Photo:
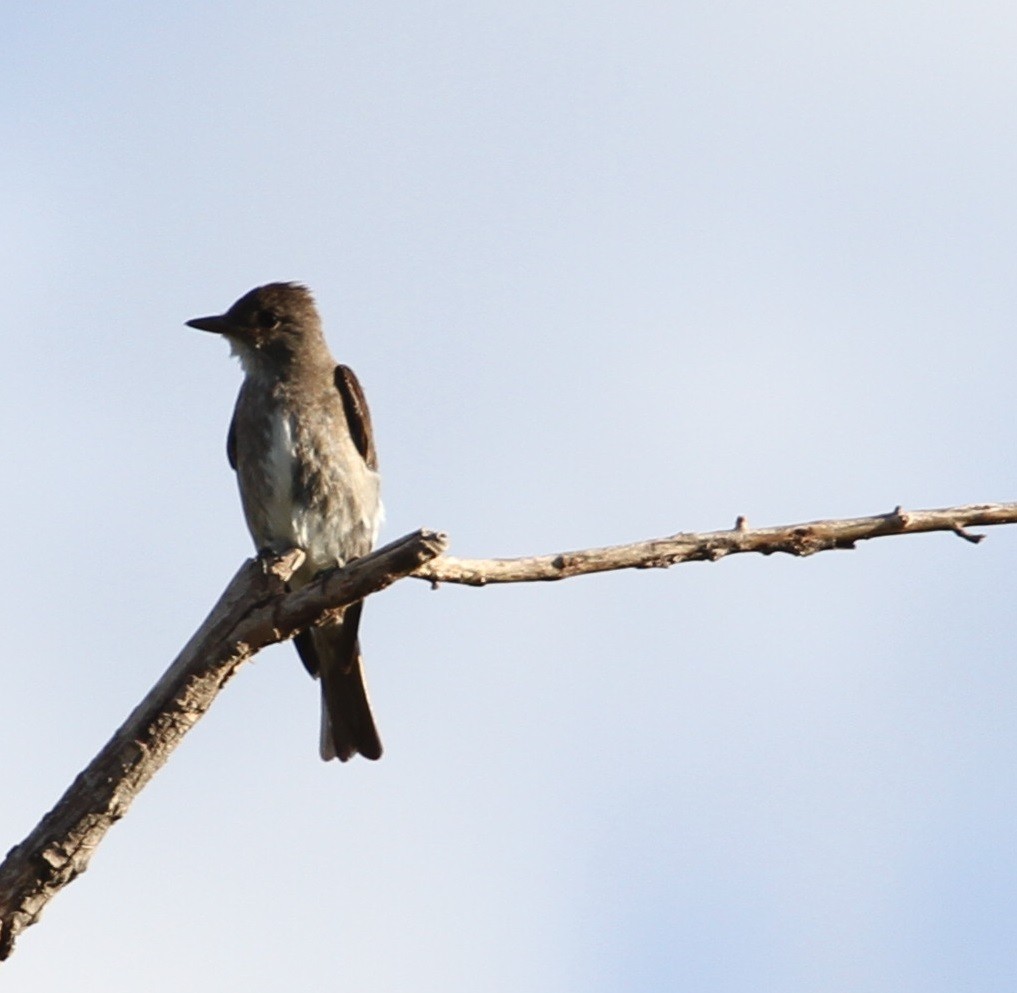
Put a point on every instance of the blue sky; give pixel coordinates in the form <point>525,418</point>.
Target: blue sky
<point>607,271</point>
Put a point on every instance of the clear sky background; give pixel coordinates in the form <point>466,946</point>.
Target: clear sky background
<point>607,271</point>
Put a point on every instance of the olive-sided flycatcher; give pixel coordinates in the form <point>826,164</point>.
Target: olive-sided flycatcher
<point>303,450</point>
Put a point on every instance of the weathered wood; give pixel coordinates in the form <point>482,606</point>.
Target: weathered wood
<point>659,553</point>
<point>254,611</point>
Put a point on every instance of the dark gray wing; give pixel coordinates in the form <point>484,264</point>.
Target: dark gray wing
<point>358,417</point>
<point>231,442</point>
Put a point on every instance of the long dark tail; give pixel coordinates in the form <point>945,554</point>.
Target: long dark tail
<point>332,652</point>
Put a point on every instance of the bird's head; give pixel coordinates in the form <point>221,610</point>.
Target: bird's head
<point>270,324</point>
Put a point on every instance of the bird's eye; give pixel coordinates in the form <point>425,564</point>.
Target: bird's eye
<point>268,319</point>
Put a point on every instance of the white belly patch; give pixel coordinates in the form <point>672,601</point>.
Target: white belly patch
<point>327,529</point>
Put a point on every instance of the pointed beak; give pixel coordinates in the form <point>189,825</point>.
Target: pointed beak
<point>217,324</point>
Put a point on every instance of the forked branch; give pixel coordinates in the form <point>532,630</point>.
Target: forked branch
<point>256,610</point>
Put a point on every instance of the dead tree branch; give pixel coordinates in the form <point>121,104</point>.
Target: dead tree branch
<point>660,553</point>
<point>254,611</point>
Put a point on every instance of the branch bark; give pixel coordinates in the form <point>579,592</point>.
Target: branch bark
<point>254,611</point>
<point>660,553</point>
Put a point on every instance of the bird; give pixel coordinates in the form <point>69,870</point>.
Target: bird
<point>302,446</point>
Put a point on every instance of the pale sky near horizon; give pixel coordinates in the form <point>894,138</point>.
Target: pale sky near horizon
<point>606,271</point>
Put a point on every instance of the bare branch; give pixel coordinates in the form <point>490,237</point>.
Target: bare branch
<point>659,553</point>
<point>254,611</point>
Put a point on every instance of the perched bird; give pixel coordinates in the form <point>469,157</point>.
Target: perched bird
<point>303,450</point>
